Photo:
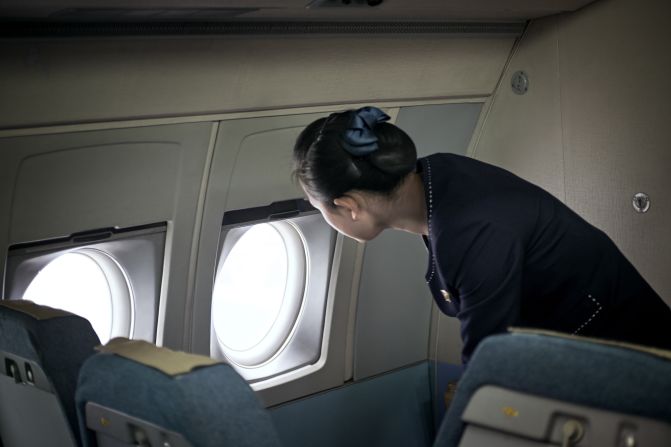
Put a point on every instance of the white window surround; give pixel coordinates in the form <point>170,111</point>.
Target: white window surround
<point>91,284</point>
<point>129,260</point>
<point>259,292</point>
<point>300,347</point>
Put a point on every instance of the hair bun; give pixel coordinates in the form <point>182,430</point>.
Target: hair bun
<point>359,138</point>
<point>397,154</point>
<point>352,150</point>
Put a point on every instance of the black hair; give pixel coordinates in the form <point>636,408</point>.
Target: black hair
<point>327,171</point>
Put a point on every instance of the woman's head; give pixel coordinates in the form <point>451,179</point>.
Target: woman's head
<point>352,152</point>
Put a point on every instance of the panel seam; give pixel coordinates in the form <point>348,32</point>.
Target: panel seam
<point>561,112</point>
<point>472,148</point>
<point>195,241</point>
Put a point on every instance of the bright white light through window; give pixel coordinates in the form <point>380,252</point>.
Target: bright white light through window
<point>250,288</point>
<point>76,283</point>
<point>258,292</point>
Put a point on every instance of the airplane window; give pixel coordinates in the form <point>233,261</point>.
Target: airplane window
<point>88,283</point>
<point>268,317</point>
<point>258,293</point>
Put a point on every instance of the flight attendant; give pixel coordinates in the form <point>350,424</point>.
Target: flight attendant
<point>502,251</point>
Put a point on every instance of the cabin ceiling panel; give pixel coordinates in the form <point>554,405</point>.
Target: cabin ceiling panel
<point>94,80</point>
<point>296,10</point>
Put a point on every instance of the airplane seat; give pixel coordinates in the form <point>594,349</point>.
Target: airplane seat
<point>135,393</point>
<point>537,388</point>
<point>42,351</point>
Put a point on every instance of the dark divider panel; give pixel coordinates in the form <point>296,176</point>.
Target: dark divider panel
<point>392,409</point>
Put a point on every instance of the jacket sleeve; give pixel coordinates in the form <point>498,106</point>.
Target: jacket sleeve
<point>485,265</point>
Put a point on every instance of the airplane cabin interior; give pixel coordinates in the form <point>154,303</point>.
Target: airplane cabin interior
<point>166,281</point>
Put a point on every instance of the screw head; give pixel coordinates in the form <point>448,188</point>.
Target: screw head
<point>520,82</point>
<point>641,202</point>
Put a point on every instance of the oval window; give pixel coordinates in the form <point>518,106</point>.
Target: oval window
<point>258,293</point>
<point>88,283</point>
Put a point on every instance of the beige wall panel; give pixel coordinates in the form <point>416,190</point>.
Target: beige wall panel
<point>58,193</point>
<point>594,127</point>
<point>88,80</point>
<point>615,67</point>
<point>445,344</point>
<point>263,168</point>
<point>522,133</point>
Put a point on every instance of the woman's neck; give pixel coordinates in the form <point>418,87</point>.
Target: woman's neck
<point>407,210</point>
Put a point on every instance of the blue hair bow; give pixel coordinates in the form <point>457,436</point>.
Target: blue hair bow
<point>359,138</point>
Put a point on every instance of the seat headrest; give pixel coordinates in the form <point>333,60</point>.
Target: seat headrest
<point>36,311</point>
<point>601,341</point>
<point>167,361</point>
<point>209,404</point>
<point>602,374</point>
<point>56,340</point>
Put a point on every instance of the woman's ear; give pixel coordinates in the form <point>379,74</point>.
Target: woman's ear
<point>349,205</point>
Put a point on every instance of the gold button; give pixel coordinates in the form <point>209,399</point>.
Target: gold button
<point>510,412</point>
<point>446,295</point>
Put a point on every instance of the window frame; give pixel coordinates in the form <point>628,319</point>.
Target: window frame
<point>121,295</point>
<point>304,350</point>
<point>137,252</point>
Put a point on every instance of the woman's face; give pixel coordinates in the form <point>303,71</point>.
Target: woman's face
<point>356,223</point>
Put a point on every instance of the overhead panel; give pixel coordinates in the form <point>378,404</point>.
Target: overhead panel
<point>60,81</point>
<point>294,10</point>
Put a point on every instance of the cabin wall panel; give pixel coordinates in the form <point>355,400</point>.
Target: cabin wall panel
<point>593,128</point>
<point>56,185</point>
<point>101,79</point>
<point>516,135</point>
<point>251,167</point>
<point>393,324</point>
<point>615,98</point>
<point>390,410</point>
<point>60,192</point>
<point>394,306</point>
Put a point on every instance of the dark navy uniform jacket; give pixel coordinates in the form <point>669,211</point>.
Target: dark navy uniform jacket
<point>504,252</point>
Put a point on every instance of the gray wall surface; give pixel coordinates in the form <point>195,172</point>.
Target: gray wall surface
<point>440,127</point>
<point>390,410</point>
<point>394,308</point>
